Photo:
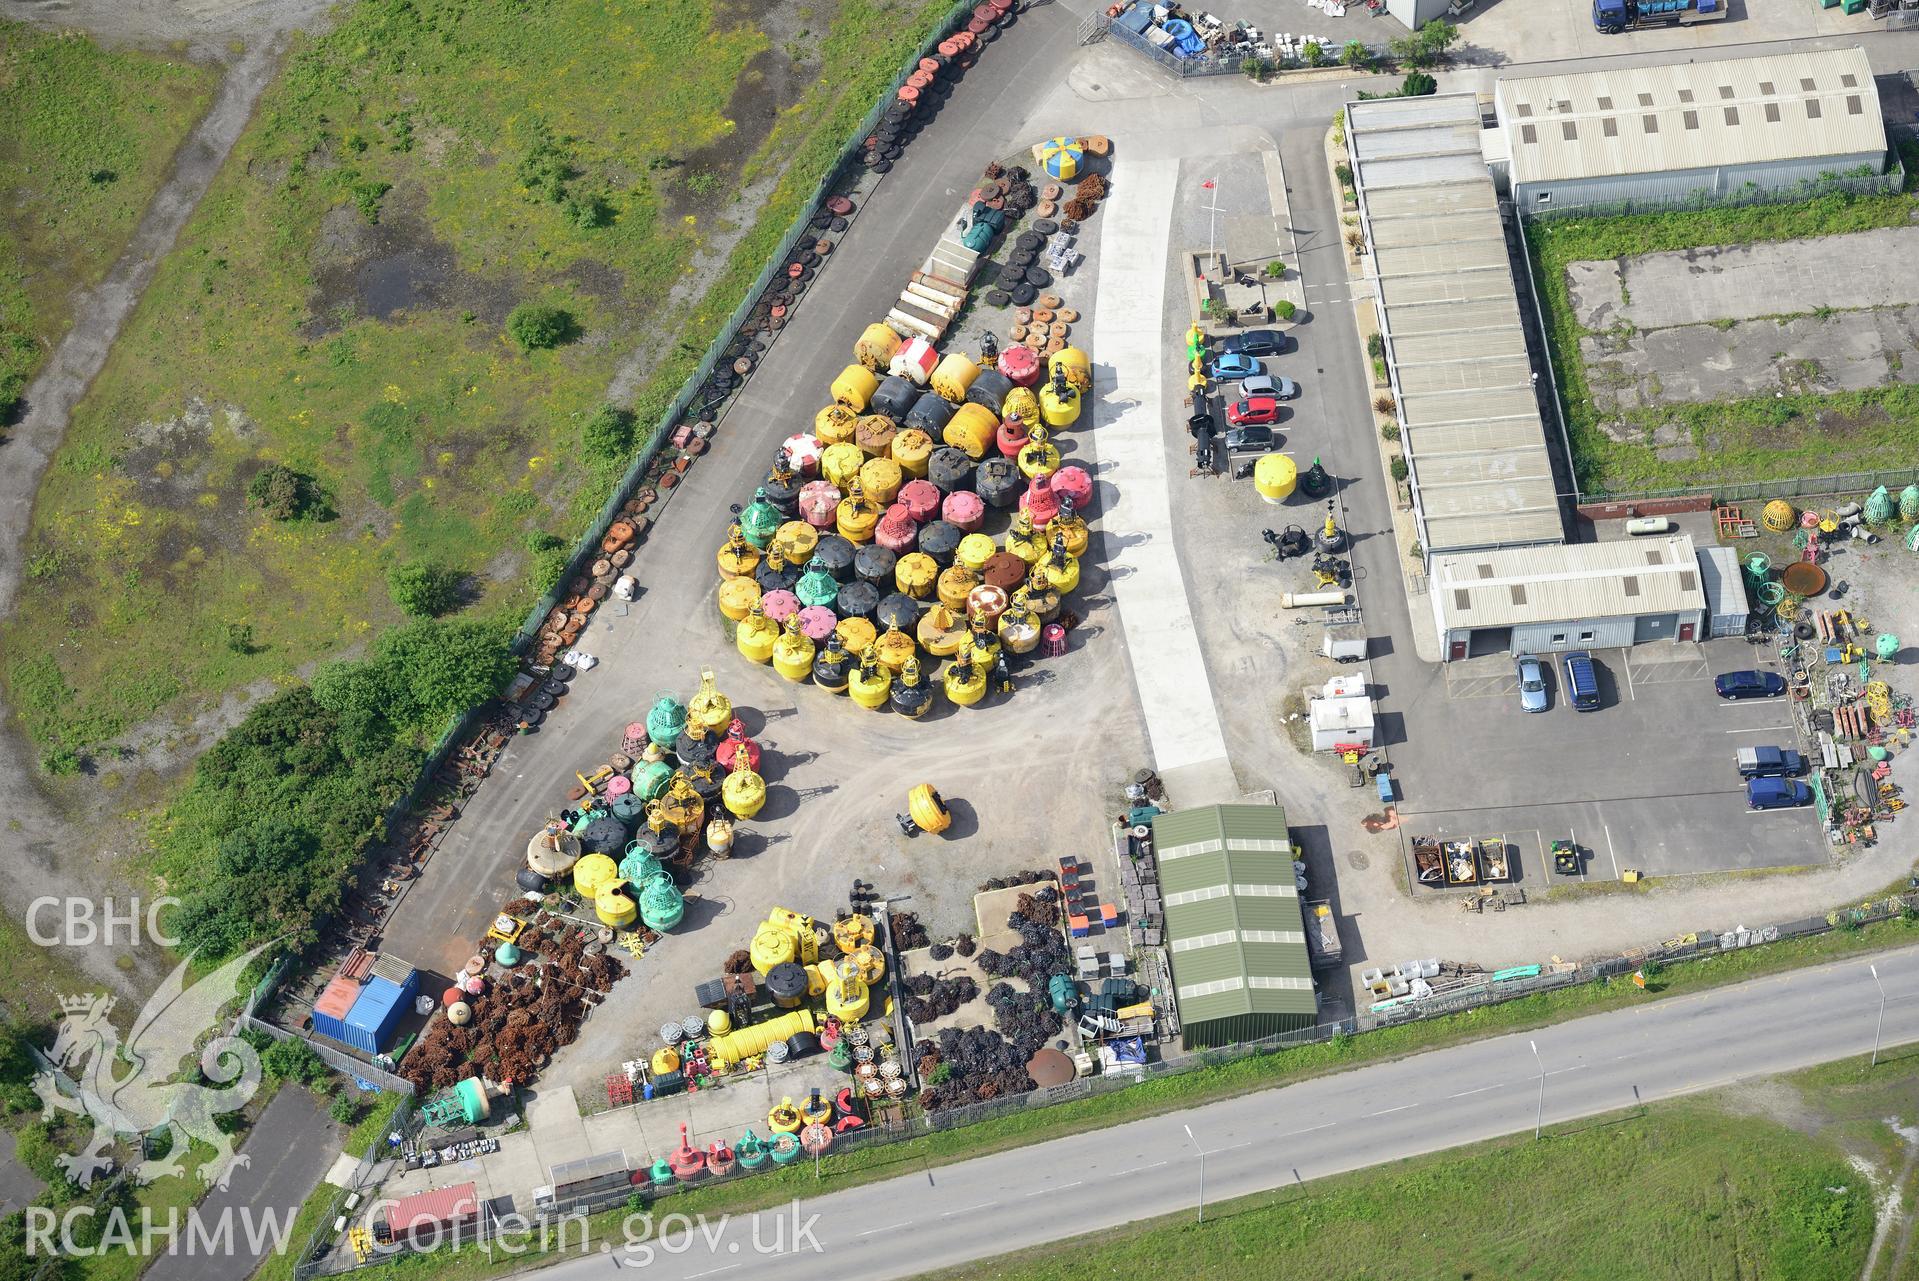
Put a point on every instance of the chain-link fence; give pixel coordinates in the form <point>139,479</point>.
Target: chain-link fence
<point>1874,184</point>
<point>317,1256</point>
<point>1835,485</point>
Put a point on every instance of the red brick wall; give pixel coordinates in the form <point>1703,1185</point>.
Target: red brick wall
<point>1646,507</point>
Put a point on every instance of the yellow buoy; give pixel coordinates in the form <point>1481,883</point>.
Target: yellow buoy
<point>1779,516</point>
<point>772,946</point>
<point>965,681</point>
<point>893,648</point>
<point>870,959</point>
<point>709,709</point>
<point>793,652</point>
<point>1022,541</point>
<point>737,556</point>
<point>1041,594</point>
<point>1076,363</point>
<point>881,479</point>
<point>857,634</point>
<point>796,540</point>
<point>974,551</point>
<point>1062,569</point>
<point>1022,404</point>
<point>682,806</point>
<point>912,449</point>
<point>955,585</point>
<point>942,632</point>
<point>915,573</point>
<point>984,642</point>
<point>1019,625</point>
<point>1039,456</point>
<point>857,516</point>
<point>853,933</point>
<point>854,388</point>
<point>665,1060</point>
<point>1072,531</point>
<point>928,809</point>
<point>870,683</point>
<point>953,375</point>
<point>737,597</point>
<point>613,907</point>
<point>755,635</point>
<point>840,464</point>
<point>834,424</point>
<point>592,874</point>
<point>972,430</point>
<point>1274,476</point>
<point>719,1023</point>
<point>847,996</point>
<point>1058,404</point>
<point>743,793</point>
<point>876,346</point>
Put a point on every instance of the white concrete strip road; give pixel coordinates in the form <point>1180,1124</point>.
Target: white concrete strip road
<point>947,1215</point>
<point>1130,411</point>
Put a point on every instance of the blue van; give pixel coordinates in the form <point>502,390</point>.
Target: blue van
<point>1582,681</point>
<point>1776,793</point>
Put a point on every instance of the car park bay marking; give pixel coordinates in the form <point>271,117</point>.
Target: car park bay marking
<point>1611,855</point>
<point>1760,729</point>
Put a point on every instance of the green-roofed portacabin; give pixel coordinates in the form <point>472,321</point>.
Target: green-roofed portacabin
<point>1233,926</point>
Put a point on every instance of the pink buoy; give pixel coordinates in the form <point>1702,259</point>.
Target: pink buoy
<point>964,509</point>
<point>1012,437</point>
<point>897,531</point>
<point>475,984</point>
<point>817,622</point>
<point>820,503</point>
<point>780,605</point>
<point>1052,641</point>
<point>1072,482</point>
<point>618,785</point>
<point>1809,519</point>
<point>1041,500</point>
<point>1021,365</point>
<point>921,498</point>
<point>803,453</point>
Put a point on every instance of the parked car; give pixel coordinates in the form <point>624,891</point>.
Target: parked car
<point>1532,683</point>
<point>1274,385</point>
<point>1750,684</point>
<point>1776,793</point>
<point>1769,762</point>
<point>1256,342</point>
<point>1582,681</point>
<point>1251,440</point>
<point>1232,365</point>
<point>1253,410</point>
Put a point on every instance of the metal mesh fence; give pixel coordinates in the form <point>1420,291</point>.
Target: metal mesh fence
<point>1835,485</point>
<point>1878,184</point>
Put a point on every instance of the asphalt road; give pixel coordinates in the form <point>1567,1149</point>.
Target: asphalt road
<point>939,1217</point>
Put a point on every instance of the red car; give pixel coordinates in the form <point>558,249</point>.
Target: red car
<point>1252,411</point>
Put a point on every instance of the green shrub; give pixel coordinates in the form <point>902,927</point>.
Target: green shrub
<point>293,1060</point>
<point>343,1108</point>
<point>1314,53</point>
<point>1375,345</point>
<point>1356,55</point>
<point>1285,309</point>
<point>1398,469</point>
<point>1417,84</point>
<point>1253,68</point>
<point>1426,47</point>
<point>424,590</point>
<point>535,326</point>
<point>549,556</point>
<point>1389,431</point>
<point>1275,270</point>
<point>1343,172</point>
<point>281,493</point>
<point>607,437</point>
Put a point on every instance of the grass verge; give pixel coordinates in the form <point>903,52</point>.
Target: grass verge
<point>319,1202</point>
<point>1200,1085</point>
<point>1756,438</point>
<point>89,137</point>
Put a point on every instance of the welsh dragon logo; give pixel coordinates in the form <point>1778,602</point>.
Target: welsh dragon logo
<point>87,1077</point>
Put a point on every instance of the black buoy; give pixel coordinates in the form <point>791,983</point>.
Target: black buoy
<point>782,487</point>
<point>531,881</point>
<point>774,574</point>
<point>832,665</point>
<point>835,554</point>
<point>1331,537</point>
<point>786,984</point>
<point>998,482</point>
<point>857,600</point>
<point>941,539</point>
<point>875,564</point>
<point>949,469</point>
<point>897,609</point>
<point>604,836</point>
<point>1315,482</point>
<point>695,746</point>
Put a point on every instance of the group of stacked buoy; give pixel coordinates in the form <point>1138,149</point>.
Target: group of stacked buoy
<point>930,84</point>
<point>569,616</point>
<point>865,548</point>
<point>681,780</point>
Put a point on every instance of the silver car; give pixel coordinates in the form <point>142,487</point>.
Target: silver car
<point>1532,683</point>
<point>1276,385</point>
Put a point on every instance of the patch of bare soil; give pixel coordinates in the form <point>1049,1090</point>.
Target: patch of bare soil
<point>381,270</point>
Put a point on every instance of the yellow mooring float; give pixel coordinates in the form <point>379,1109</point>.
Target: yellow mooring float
<point>912,449</point>
<point>615,904</point>
<point>840,464</point>
<point>915,573</point>
<point>857,634</point>
<point>928,810</point>
<point>956,584</point>
<point>755,635</point>
<point>1019,626</point>
<point>870,683</point>
<point>1059,403</point>
<point>847,996</point>
<point>893,648</point>
<point>737,598</point>
<point>965,680</point>
<point>1039,456</point>
<point>942,632</point>
<point>1074,364</point>
<point>1062,568</point>
<point>857,516</point>
<point>834,424</point>
<point>984,642</point>
<point>793,652</point>
<point>1022,540</point>
<point>737,556</point>
<point>709,709</point>
<point>743,793</point>
<point>973,552</point>
<point>795,540</point>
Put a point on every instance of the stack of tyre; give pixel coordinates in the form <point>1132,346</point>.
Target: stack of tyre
<point>918,100</point>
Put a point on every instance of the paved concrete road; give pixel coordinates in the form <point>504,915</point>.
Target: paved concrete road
<point>1364,1117</point>
<point>291,1146</point>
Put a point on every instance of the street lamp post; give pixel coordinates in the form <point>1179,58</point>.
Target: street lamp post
<point>1202,1170</point>
<point>1880,1026</point>
<point>1539,1117</point>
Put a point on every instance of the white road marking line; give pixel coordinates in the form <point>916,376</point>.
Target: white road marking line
<point>1756,729</point>
<point>1481,1090</point>
<point>1389,1111</point>
<point>1627,664</point>
<point>1074,1184</point>
<point>1229,1148</point>
<point>1559,1071</point>
<point>892,1228</point>
<point>712,1272</point>
<point>984,1205</point>
<point>1611,855</point>
<point>1135,1170</point>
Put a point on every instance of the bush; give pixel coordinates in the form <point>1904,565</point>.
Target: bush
<point>1356,55</point>
<point>1398,469</point>
<point>606,438</point>
<point>1275,270</point>
<point>1343,172</point>
<point>1384,404</point>
<point>1314,53</point>
<point>1417,84</point>
<point>548,556</point>
<point>535,326</point>
<point>1254,68</point>
<point>1375,345</point>
<point>1285,309</point>
<point>292,1060</point>
<point>281,493</point>
<point>1389,431</point>
<point>343,1108</point>
<point>1339,127</point>
<point>423,589</point>
<point>1426,47</point>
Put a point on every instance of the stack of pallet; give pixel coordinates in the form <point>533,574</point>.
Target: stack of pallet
<point>935,294</point>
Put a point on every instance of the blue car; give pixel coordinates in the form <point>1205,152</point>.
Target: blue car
<point>1231,367</point>
<point>1776,794</point>
<point>1750,684</point>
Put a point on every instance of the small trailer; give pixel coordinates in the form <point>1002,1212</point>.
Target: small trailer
<point>1343,643</point>
<point>1322,935</point>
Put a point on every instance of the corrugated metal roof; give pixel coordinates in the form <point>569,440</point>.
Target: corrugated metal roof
<point>426,1209</point>
<point>1233,927</point>
<point>1573,581</point>
<point>1450,312</point>
<point>1725,586</point>
<point>1691,115</point>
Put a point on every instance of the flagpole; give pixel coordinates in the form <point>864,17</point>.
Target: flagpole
<point>1212,209</point>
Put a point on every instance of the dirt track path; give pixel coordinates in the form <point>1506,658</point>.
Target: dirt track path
<point>49,854</point>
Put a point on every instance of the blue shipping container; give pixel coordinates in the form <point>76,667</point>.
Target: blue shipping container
<point>370,1023</point>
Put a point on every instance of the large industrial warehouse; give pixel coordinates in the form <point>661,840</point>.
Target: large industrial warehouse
<point>1449,314</point>
<point>1689,128</point>
<point>1233,928</point>
<point>1578,596</point>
